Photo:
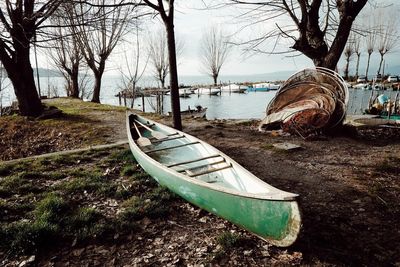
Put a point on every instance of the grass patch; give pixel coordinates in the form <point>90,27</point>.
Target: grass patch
<point>6,169</point>
<point>267,146</point>
<point>16,184</point>
<point>76,106</point>
<point>129,170</point>
<point>228,240</point>
<point>125,155</point>
<point>86,223</point>
<point>155,204</point>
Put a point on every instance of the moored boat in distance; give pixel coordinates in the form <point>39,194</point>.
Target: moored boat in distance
<point>234,88</point>
<point>264,87</point>
<point>208,91</point>
<point>208,178</point>
<point>199,112</point>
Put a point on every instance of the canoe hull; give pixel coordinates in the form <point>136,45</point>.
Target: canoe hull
<point>275,221</point>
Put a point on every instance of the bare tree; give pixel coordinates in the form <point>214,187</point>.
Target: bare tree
<point>348,53</point>
<point>99,28</point>
<point>318,29</point>
<point>387,34</point>
<point>215,48</point>
<point>167,16</point>
<point>357,50</point>
<point>158,52</point>
<point>20,23</point>
<point>133,74</point>
<point>64,48</point>
<point>370,43</point>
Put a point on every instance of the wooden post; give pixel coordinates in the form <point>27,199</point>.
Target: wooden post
<point>119,99</point>
<point>162,102</point>
<point>144,110</point>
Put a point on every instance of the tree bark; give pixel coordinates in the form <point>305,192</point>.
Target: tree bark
<point>98,75</point>
<point>311,38</point>
<point>215,78</point>
<point>75,84</point>
<point>346,69</point>
<point>366,71</point>
<point>358,63</point>
<point>96,88</point>
<point>175,103</point>
<point>380,64</point>
<point>20,73</point>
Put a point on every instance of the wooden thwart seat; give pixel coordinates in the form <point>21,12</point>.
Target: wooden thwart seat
<point>208,170</point>
<point>194,160</point>
<point>171,147</point>
<point>167,139</point>
<point>202,166</point>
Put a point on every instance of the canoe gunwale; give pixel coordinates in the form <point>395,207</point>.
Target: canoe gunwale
<point>278,196</point>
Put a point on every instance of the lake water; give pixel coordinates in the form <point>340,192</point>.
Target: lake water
<point>249,105</point>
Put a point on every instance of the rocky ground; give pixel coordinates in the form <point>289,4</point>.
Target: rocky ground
<point>348,185</point>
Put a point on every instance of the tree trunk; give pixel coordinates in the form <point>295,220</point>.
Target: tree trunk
<point>380,64</point>
<point>96,88</point>
<point>215,78</point>
<point>98,75</point>
<point>75,81</point>
<point>366,71</point>
<point>358,63</point>
<point>175,102</point>
<point>20,73</point>
<point>346,69</point>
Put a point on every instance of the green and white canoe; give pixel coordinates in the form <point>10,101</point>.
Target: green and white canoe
<point>211,180</point>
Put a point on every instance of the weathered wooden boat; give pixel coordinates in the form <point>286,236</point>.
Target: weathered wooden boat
<point>212,181</point>
<point>199,112</point>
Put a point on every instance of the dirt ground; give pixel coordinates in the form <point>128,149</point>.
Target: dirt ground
<point>349,197</point>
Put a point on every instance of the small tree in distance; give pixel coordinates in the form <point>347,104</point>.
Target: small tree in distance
<point>215,47</point>
<point>99,29</point>
<point>348,53</point>
<point>387,35</point>
<point>158,53</point>
<point>64,48</point>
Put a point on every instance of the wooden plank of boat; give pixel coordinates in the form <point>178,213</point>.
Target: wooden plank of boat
<point>224,188</point>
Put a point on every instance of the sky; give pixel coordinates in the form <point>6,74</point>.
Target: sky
<point>191,21</point>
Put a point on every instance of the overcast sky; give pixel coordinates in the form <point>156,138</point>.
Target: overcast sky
<point>191,22</point>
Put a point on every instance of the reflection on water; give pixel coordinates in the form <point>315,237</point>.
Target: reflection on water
<point>227,106</point>
<point>250,105</point>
